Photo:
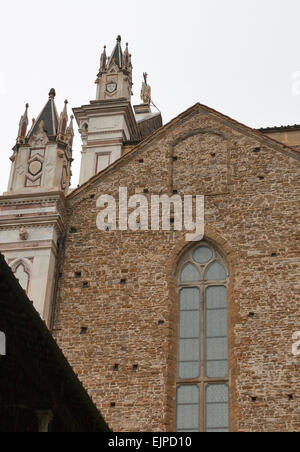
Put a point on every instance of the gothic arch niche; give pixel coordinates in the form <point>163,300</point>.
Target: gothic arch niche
<point>22,271</point>
<point>202,384</point>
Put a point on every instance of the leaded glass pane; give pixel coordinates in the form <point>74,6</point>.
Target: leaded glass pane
<point>216,348</point>
<point>187,417</point>
<point>217,369</point>
<point>216,357</point>
<point>216,297</point>
<point>189,299</point>
<point>217,393</point>
<point>189,350</point>
<point>217,408</point>
<point>216,323</point>
<point>190,274</point>
<point>189,324</point>
<point>216,272</point>
<point>188,394</point>
<point>188,408</point>
<point>203,255</point>
<point>217,415</point>
<point>189,370</point>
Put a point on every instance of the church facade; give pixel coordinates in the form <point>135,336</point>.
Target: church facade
<point>180,335</point>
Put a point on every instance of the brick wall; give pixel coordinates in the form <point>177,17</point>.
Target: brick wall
<point>252,215</point>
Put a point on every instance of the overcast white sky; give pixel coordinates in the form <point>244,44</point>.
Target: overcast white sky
<point>237,56</point>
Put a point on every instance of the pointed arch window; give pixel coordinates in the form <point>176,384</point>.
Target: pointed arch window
<point>202,381</point>
<point>22,270</point>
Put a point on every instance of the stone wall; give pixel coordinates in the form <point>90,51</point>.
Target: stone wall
<point>126,294</point>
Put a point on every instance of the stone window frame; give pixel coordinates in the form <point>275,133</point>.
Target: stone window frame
<point>27,266</point>
<point>202,382</point>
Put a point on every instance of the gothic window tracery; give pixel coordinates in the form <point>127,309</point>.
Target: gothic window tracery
<point>202,380</point>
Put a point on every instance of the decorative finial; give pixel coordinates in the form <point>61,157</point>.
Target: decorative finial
<point>103,60</point>
<point>23,124</point>
<point>52,93</point>
<point>63,122</point>
<point>65,109</point>
<point>119,39</point>
<point>126,57</point>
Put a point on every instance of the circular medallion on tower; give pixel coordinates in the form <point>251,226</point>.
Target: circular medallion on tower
<point>111,87</point>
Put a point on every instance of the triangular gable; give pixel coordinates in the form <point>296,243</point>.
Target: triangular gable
<point>264,139</point>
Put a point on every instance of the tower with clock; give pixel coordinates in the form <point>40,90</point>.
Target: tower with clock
<point>109,121</point>
<point>114,80</point>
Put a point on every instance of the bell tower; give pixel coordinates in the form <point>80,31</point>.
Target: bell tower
<point>32,211</point>
<point>114,80</point>
<point>109,121</point>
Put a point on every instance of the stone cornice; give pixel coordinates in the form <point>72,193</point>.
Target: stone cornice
<point>32,197</point>
<point>33,245</point>
<point>110,108</point>
<point>57,219</point>
<point>38,222</point>
<point>55,198</point>
<point>16,226</point>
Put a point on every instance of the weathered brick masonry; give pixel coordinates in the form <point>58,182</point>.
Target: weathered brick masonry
<point>251,215</point>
